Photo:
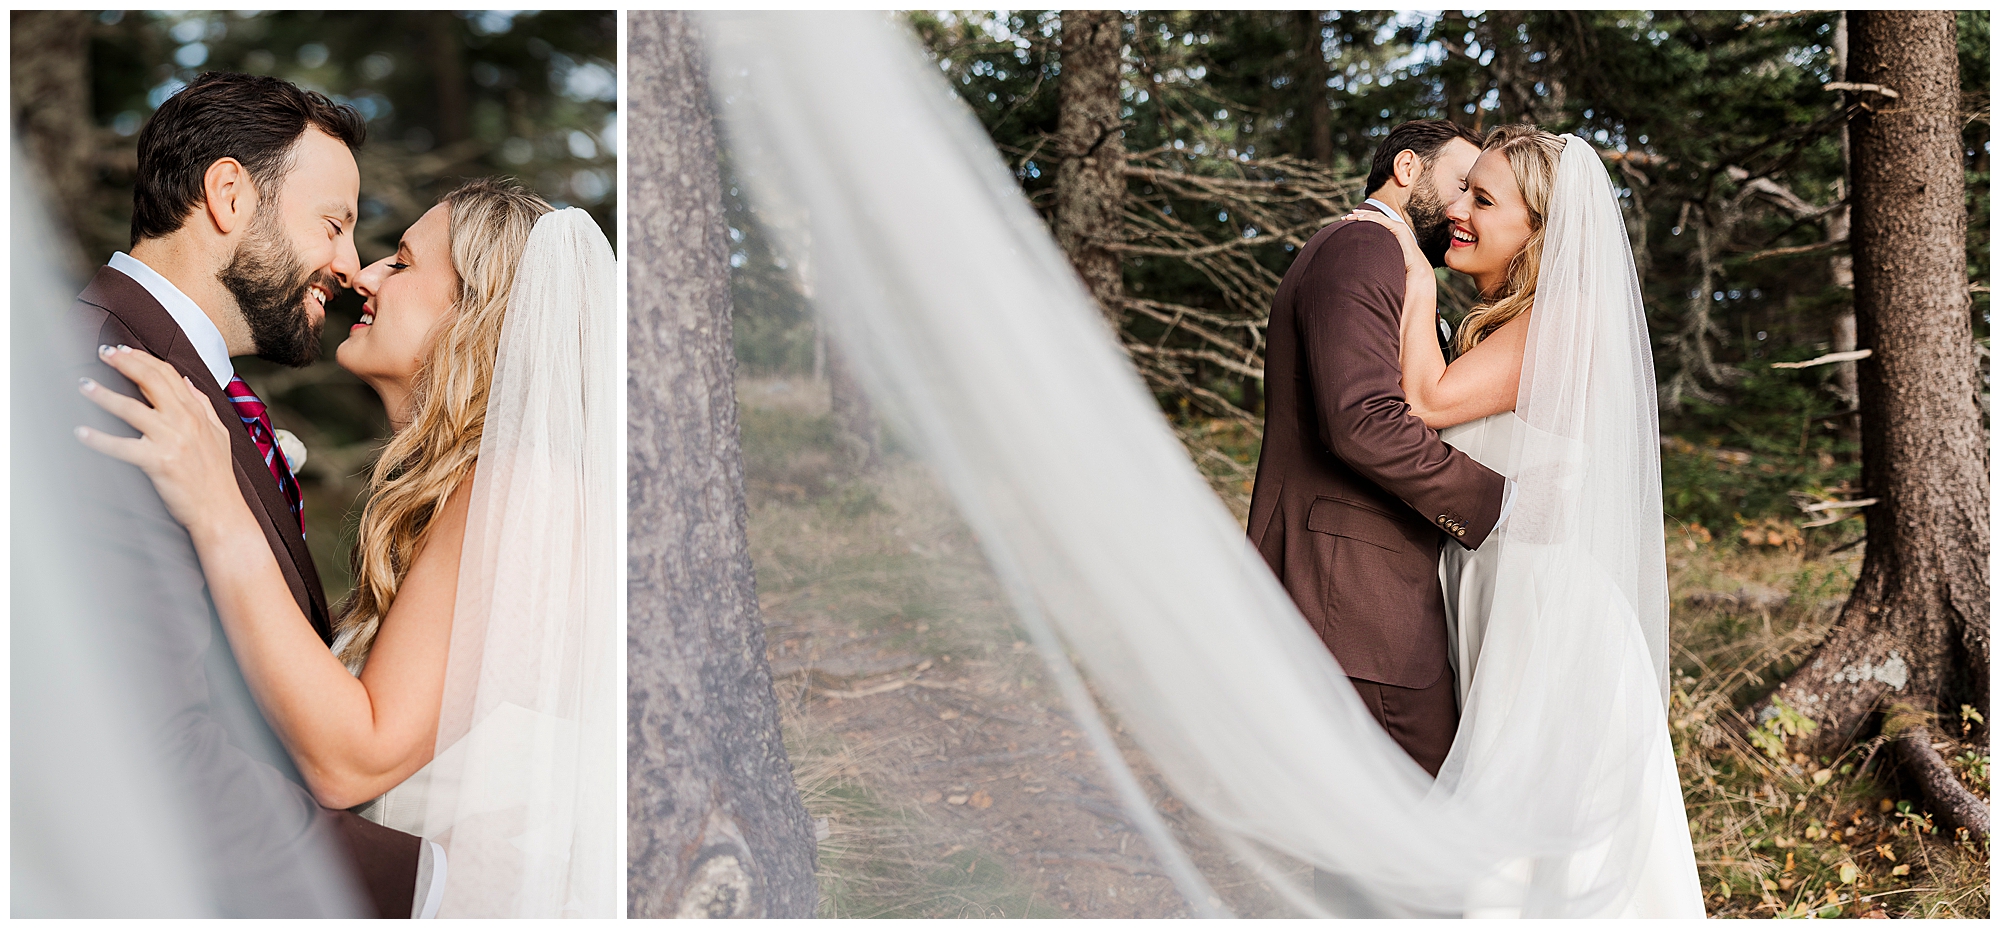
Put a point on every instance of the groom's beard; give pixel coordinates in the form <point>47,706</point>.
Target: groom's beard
<point>270,283</point>
<point>1426,215</point>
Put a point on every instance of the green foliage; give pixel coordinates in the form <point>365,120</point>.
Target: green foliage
<point>1770,735</point>
<point>1722,464</point>
<point>1707,113</point>
<point>1975,69</point>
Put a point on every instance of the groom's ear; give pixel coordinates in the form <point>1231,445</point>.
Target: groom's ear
<point>1408,168</point>
<point>228,195</point>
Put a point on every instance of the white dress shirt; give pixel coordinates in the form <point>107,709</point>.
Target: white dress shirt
<point>1371,201</point>
<point>195,324</point>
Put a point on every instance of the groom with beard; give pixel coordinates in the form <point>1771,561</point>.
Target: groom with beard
<point>242,229</point>
<point>1354,496</point>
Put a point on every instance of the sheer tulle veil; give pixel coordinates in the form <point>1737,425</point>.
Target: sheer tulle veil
<point>980,347</point>
<point>523,791</point>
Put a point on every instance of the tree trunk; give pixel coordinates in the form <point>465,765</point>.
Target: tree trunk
<point>1839,226</point>
<point>856,429</point>
<point>447,65</point>
<point>1090,182</point>
<point>1510,66</point>
<point>716,825</point>
<point>1915,629</point>
<point>50,78</point>
<point>859,433</point>
<point>1311,79</point>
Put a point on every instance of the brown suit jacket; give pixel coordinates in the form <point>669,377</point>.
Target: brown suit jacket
<point>263,827</point>
<point>121,312</point>
<point>1354,496</point>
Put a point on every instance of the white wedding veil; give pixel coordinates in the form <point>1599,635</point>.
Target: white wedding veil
<point>1562,741</point>
<point>980,347</point>
<point>523,791</point>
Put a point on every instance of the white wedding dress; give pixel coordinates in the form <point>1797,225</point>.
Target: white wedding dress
<point>1667,884</point>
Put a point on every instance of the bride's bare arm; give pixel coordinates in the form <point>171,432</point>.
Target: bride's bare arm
<point>352,738</point>
<point>1482,382</point>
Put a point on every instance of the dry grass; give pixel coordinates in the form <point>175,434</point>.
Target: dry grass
<point>1780,834</point>
<point>879,565</point>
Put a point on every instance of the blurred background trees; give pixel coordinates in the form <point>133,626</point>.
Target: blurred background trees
<point>1243,132</point>
<point>447,95</point>
<point>1248,129</point>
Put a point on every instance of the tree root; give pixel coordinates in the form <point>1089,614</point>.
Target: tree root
<point>1944,795</point>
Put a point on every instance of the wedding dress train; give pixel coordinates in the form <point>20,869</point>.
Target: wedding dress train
<point>1666,884</point>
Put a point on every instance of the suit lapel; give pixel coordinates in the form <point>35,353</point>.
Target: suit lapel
<point>132,305</point>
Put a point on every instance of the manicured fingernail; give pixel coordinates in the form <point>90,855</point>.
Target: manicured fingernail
<point>82,433</point>
<point>125,348</point>
<point>104,351</point>
<point>86,384</point>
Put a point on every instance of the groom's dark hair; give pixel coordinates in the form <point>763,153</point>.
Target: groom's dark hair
<point>255,120</point>
<point>1426,137</point>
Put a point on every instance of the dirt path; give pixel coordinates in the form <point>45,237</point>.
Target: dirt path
<point>946,774</point>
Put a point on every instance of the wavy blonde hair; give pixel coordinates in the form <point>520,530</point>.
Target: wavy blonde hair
<point>434,454</point>
<point>1533,154</point>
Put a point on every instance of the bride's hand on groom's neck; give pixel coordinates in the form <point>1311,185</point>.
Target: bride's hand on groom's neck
<point>183,446</point>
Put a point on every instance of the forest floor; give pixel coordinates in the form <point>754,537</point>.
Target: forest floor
<point>948,778</point>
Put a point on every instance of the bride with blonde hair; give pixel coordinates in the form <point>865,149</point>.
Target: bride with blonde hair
<point>1559,619</point>
<point>470,694</point>
<point>973,333</point>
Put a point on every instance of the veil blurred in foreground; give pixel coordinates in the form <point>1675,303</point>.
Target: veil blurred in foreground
<point>1029,664</point>
<point>108,818</point>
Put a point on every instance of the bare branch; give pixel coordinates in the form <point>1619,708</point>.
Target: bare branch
<point>1834,358</point>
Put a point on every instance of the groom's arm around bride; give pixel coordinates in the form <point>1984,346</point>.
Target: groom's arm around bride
<point>1354,496</point>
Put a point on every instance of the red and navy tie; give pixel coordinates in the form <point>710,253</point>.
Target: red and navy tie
<point>258,421</point>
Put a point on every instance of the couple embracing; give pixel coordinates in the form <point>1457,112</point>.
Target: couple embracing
<point>450,729</point>
<point>1471,522</point>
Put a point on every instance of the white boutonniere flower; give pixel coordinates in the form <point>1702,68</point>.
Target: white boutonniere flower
<point>295,450</point>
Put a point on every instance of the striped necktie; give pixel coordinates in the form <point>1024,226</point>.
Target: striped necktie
<point>257,419</point>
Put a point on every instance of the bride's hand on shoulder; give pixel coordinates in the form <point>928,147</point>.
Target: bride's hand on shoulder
<point>1414,262</point>
<point>183,445</point>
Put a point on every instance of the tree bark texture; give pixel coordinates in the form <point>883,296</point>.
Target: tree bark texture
<point>49,75</point>
<point>1313,72</point>
<point>1951,805</point>
<point>1915,629</point>
<point>716,824</point>
<point>1090,182</point>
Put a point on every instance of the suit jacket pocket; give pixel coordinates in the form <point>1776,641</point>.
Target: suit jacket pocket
<point>1382,609</point>
<point>1351,520</point>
